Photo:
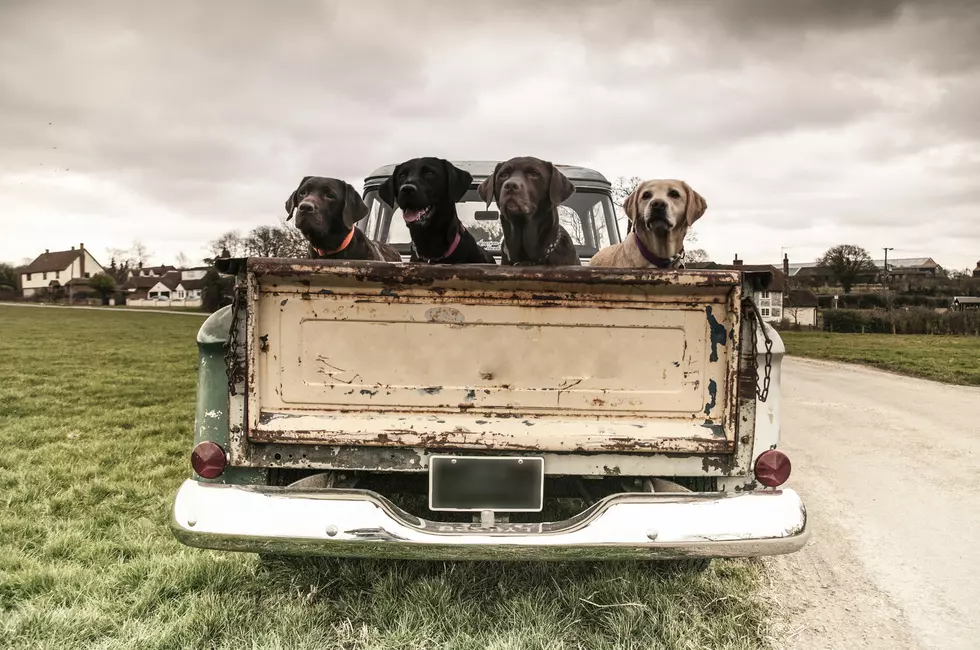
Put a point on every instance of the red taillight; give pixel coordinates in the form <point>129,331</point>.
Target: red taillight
<point>772,468</point>
<point>208,459</point>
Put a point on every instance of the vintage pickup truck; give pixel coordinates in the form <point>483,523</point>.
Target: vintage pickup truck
<point>488,412</point>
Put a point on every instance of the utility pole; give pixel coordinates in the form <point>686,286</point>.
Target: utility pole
<point>888,302</point>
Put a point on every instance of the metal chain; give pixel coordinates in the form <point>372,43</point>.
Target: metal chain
<point>762,394</point>
<point>233,367</point>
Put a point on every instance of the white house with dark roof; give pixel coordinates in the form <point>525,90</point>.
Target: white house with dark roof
<point>52,270</point>
<point>148,286</point>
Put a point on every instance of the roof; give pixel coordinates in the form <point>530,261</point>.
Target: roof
<point>967,300</point>
<point>48,262</point>
<point>800,298</point>
<point>896,263</point>
<point>191,285</point>
<point>480,169</point>
<point>170,280</point>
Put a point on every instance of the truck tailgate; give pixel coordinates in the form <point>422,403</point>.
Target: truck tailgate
<point>566,359</point>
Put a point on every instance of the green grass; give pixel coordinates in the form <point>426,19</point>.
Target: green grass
<point>96,412</point>
<point>950,359</point>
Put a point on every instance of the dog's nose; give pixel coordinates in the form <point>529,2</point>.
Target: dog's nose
<point>408,189</point>
<point>305,207</point>
<point>511,185</point>
<point>658,204</point>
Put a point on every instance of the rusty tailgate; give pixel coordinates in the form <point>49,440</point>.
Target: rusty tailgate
<point>571,359</point>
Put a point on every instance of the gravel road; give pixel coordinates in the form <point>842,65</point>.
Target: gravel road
<point>889,468</point>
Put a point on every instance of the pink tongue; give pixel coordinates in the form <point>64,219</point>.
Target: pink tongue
<point>412,215</point>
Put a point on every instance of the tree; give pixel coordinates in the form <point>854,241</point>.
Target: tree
<point>216,291</point>
<point>847,263</point>
<point>182,261</point>
<point>621,189</point>
<point>276,241</point>
<point>231,241</point>
<point>104,285</point>
<point>125,260</point>
<point>8,276</point>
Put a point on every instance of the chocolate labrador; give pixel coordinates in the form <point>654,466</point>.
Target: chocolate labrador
<point>528,192</point>
<point>325,211</point>
<point>427,190</point>
<point>660,211</point>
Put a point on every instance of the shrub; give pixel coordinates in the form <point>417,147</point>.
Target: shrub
<point>902,321</point>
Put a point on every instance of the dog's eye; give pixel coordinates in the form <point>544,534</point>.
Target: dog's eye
<point>647,196</point>
<point>402,176</point>
<point>674,194</point>
<point>533,173</point>
<point>429,173</point>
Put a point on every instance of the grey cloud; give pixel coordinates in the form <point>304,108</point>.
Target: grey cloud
<point>215,110</point>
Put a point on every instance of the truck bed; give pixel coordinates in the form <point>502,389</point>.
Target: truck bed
<point>490,357</point>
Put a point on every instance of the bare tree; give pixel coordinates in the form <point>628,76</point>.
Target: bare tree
<point>231,241</point>
<point>276,241</point>
<point>847,263</point>
<point>182,261</point>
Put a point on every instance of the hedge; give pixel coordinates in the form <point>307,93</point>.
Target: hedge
<point>902,321</point>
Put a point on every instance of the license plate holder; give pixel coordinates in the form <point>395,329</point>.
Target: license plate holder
<point>480,483</point>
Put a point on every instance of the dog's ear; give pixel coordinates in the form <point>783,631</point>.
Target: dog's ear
<point>457,181</point>
<point>291,201</point>
<point>631,204</point>
<point>561,188</point>
<point>488,188</point>
<point>696,205</point>
<point>389,188</point>
<point>355,208</point>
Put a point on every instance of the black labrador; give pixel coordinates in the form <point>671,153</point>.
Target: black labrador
<point>427,190</point>
<point>325,210</point>
<point>528,192</point>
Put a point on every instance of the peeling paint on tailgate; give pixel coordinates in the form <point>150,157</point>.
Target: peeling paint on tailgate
<point>571,360</point>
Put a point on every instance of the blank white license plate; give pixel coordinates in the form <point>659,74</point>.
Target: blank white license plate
<point>477,483</point>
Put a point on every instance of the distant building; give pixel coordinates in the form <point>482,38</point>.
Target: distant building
<point>50,271</point>
<point>769,301</point>
<point>165,283</point>
<point>962,303</point>
<point>800,308</point>
<point>900,268</point>
<point>976,271</point>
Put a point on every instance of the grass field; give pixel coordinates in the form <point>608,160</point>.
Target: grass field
<point>952,359</point>
<point>96,412</point>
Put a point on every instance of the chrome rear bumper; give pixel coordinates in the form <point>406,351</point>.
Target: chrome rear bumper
<point>361,523</point>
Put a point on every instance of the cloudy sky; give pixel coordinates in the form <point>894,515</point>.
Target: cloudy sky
<point>803,123</point>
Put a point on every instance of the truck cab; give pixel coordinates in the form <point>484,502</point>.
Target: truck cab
<point>401,410</point>
<point>588,215</point>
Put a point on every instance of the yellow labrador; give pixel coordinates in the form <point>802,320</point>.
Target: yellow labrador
<point>661,211</point>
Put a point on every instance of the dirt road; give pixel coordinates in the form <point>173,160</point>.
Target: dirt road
<point>889,468</point>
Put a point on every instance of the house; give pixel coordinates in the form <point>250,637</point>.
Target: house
<point>769,301</point>
<point>800,308</point>
<point>976,271</point>
<point>151,271</point>
<point>165,283</point>
<point>900,268</point>
<point>55,270</point>
<point>962,303</point>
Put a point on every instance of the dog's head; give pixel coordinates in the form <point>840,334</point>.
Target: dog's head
<point>664,209</point>
<point>526,186</point>
<point>325,210</point>
<point>421,185</point>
